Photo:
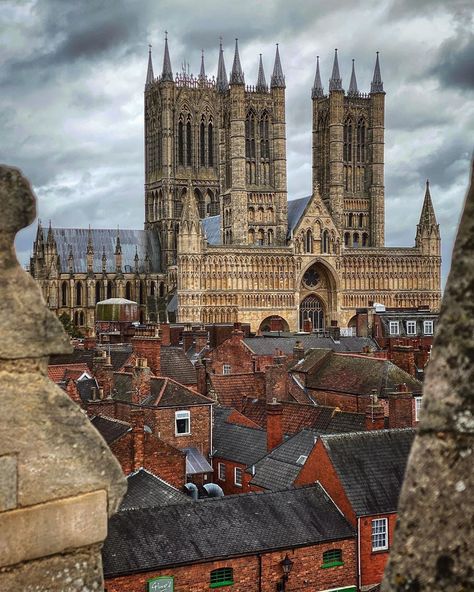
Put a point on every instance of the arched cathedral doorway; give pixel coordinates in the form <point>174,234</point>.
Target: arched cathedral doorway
<point>312,308</point>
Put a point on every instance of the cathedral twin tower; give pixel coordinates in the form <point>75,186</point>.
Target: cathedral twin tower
<point>222,243</point>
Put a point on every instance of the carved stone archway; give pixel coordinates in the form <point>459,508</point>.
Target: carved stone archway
<point>318,296</point>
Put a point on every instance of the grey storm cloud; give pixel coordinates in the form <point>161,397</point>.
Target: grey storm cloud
<point>72,75</point>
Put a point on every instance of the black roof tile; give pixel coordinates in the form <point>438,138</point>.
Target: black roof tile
<point>176,365</point>
<point>146,490</point>
<point>110,429</point>
<point>151,538</point>
<point>237,443</point>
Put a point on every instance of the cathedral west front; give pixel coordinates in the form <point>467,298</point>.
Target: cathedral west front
<point>222,242</point>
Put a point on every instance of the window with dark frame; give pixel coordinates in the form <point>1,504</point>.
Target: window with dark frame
<point>332,558</point>
<point>224,576</point>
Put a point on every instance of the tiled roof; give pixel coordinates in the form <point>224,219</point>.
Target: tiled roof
<point>131,241</point>
<point>371,466</point>
<point>120,356</point>
<point>230,389</point>
<point>145,490</point>
<point>77,356</point>
<point>359,375</point>
<point>266,346</point>
<point>85,388</point>
<point>280,467</point>
<point>237,443</point>
<point>60,372</point>
<point>165,392</point>
<point>176,365</point>
<point>151,538</point>
<point>109,428</point>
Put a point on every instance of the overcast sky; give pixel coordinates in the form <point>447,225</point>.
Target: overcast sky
<point>72,75</point>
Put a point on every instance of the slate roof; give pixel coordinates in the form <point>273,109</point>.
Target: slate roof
<point>296,208</point>
<point>176,365</point>
<point>85,387</point>
<point>119,356</point>
<point>77,356</point>
<point>359,375</point>
<point>165,392</point>
<point>371,466</point>
<point>212,229</point>
<point>265,346</point>
<point>232,526</point>
<point>109,428</point>
<point>144,241</point>
<point>145,490</point>
<point>279,468</point>
<point>237,443</point>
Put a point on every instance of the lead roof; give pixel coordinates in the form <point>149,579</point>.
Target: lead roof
<point>232,526</point>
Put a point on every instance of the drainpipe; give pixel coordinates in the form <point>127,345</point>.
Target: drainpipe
<point>358,554</point>
<point>259,572</point>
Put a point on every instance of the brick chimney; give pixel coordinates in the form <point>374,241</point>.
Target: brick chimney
<point>141,375</point>
<point>401,408</point>
<point>307,325</point>
<point>188,338</point>
<point>148,347</point>
<point>276,378</point>
<point>137,420</point>
<point>165,334</point>
<point>403,356</point>
<point>237,333</point>
<point>298,351</point>
<point>104,374</point>
<point>335,331</point>
<point>374,414</point>
<point>201,375</point>
<point>72,391</point>
<point>200,339</point>
<point>274,424</point>
<point>90,342</point>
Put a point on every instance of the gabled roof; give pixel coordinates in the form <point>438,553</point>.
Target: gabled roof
<point>176,365</point>
<point>85,387</point>
<point>359,375</point>
<point>230,389</point>
<point>237,443</point>
<point>142,241</point>
<point>280,467</point>
<point>60,372</point>
<point>109,428</point>
<point>165,392</point>
<point>371,466</point>
<point>119,356</point>
<point>145,490</point>
<point>232,526</point>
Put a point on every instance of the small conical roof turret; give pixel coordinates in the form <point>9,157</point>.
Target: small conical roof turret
<point>427,231</point>
<point>427,217</point>
<point>261,82</point>
<point>118,246</point>
<point>377,84</point>
<point>353,90</point>
<point>202,73</point>
<point>237,75</point>
<point>335,82</point>
<point>50,238</point>
<point>278,80</point>
<point>317,90</point>
<point>167,73</point>
<point>222,83</point>
<point>149,73</point>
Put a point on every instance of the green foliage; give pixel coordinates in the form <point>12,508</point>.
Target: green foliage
<point>69,326</point>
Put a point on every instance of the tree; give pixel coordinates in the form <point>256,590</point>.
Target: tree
<point>69,326</point>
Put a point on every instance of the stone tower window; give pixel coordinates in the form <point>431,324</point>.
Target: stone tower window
<point>64,294</point>
<point>181,141</point>
<point>210,145</point>
<point>202,143</point>
<point>189,140</point>
<point>78,294</point>
<point>309,241</point>
<point>361,140</point>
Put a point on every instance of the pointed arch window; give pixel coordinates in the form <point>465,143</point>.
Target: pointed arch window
<point>189,142</point>
<point>78,294</point>
<point>325,242</point>
<point>361,220</point>
<point>270,237</point>
<point>181,141</point>
<point>264,137</point>
<point>210,145</point>
<point>347,148</point>
<point>128,291</point>
<point>98,292</point>
<point>361,140</point>
<point>250,135</point>
<point>64,291</point>
<point>260,237</point>
<point>351,220</point>
<point>309,241</point>
<point>202,143</point>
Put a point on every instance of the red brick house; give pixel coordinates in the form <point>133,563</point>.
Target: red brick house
<point>243,542</point>
<point>363,473</point>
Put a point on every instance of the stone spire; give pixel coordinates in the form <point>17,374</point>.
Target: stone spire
<point>167,74</point>
<point>202,73</point>
<point>427,217</point>
<point>335,82</point>
<point>118,254</point>
<point>50,238</point>
<point>237,76</point>
<point>278,80</point>
<point>150,77</point>
<point>221,82</point>
<point>353,90</point>
<point>317,90</point>
<point>377,84</point>
<point>261,82</point>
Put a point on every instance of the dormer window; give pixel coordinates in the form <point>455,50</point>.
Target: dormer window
<point>394,328</point>
<point>428,327</point>
<point>411,327</point>
<point>226,369</point>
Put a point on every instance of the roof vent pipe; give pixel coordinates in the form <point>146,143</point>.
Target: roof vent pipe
<point>192,490</point>
<point>213,490</point>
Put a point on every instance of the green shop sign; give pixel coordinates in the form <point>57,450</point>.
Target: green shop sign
<point>161,584</point>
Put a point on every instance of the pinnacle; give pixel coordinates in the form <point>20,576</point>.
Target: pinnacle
<point>261,82</point>
<point>167,74</point>
<point>222,83</point>
<point>149,73</point>
<point>353,90</point>
<point>335,82</point>
<point>237,75</point>
<point>317,90</point>
<point>278,80</point>
<point>202,73</point>
<point>377,84</point>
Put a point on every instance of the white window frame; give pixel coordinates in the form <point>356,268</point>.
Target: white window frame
<point>418,403</point>
<point>238,482</point>
<point>226,369</point>
<point>411,327</point>
<point>221,470</point>
<point>182,415</point>
<point>430,324</point>
<point>380,525</point>
<point>394,325</point>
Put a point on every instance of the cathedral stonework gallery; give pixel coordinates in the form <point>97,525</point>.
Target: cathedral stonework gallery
<point>222,242</point>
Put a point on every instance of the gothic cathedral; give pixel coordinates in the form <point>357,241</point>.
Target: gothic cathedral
<point>222,243</point>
